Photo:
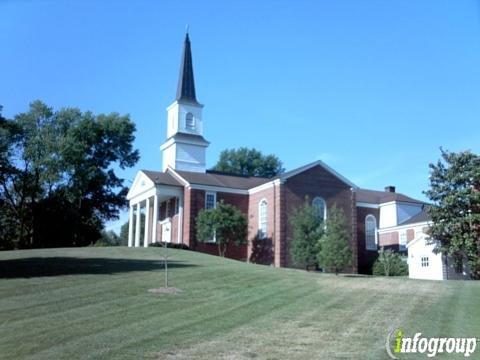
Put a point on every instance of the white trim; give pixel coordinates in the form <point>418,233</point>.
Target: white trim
<point>143,196</point>
<point>130,226</point>
<point>322,164</point>
<point>147,223</point>
<point>175,102</point>
<point>325,212</point>
<point>155,218</point>
<point>214,199</point>
<point>367,205</point>
<point>214,238</point>
<point>218,189</point>
<point>401,227</point>
<point>137,226</point>
<point>402,244</point>
<point>192,127</point>
<point>138,176</point>
<point>180,220</point>
<point>401,202</point>
<point>177,176</point>
<point>421,236</point>
<point>265,186</point>
<point>260,230</point>
<point>171,140</point>
<point>375,232</point>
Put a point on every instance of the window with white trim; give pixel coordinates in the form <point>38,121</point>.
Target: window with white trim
<point>190,121</point>
<point>403,240</point>
<point>211,203</point>
<point>320,205</point>
<point>210,200</point>
<point>424,261</point>
<point>262,219</point>
<point>371,232</point>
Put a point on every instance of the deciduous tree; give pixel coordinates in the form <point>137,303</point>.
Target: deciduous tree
<point>222,225</point>
<point>455,213</point>
<point>248,162</point>
<point>58,183</point>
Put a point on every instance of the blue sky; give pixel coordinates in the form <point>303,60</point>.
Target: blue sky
<point>373,88</point>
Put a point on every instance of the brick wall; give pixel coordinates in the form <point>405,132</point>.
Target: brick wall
<point>194,202</point>
<point>261,251</point>
<point>410,235</point>
<point>389,240</point>
<point>318,182</point>
<point>187,216</point>
<point>366,258</point>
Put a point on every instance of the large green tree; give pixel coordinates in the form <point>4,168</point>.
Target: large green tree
<point>335,253</point>
<point>58,183</point>
<point>455,213</point>
<point>307,228</point>
<point>248,162</point>
<point>222,225</point>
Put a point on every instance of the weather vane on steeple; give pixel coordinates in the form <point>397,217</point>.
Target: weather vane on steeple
<point>187,27</point>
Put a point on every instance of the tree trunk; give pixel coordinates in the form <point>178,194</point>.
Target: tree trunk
<point>166,264</point>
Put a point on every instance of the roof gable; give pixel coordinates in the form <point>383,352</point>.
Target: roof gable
<point>301,169</point>
<point>220,180</point>
<point>141,183</point>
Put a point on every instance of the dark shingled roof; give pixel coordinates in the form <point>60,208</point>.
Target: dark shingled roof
<point>379,197</point>
<point>222,180</point>
<point>162,178</point>
<point>419,218</point>
<point>186,83</point>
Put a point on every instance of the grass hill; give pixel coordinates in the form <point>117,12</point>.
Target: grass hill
<point>94,303</point>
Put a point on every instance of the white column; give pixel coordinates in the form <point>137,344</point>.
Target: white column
<point>130,227</point>
<point>155,218</point>
<point>137,227</point>
<point>180,219</point>
<point>147,223</point>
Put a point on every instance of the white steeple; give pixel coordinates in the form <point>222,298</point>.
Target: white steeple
<point>185,146</point>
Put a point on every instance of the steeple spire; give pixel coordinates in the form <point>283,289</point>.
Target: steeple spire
<point>185,147</point>
<point>186,83</point>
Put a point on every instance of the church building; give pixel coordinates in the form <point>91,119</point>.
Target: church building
<point>170,199</point>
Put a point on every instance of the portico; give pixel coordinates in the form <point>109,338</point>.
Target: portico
<point>156,210</point>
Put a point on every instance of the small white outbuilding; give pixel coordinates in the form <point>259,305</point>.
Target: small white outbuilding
<point>423,263</point>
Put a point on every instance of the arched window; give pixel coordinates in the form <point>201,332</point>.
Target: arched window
<point>262,219</point>
<point>319,204</point>
<point>370,232</point>
<point>190,121</point>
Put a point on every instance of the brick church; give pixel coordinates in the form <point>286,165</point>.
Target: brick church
<point>171,199</point>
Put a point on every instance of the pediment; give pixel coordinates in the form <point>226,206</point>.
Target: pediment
<point>141,184</point>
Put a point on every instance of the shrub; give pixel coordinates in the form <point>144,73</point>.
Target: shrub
<point>169,245</point>
<point>224,224</point>
<point>390,263</point>
<point>307,231</point>
<point>108,238</point>
<point>334,251</point>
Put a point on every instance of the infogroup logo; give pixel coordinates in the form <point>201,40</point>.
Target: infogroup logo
<point>397,343</point>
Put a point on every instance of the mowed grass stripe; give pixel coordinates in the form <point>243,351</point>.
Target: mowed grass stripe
<point>79,311</point>
<point>107,288</point>
<point>75,322</point>
<point>177,320</point>
<point>228,310</point>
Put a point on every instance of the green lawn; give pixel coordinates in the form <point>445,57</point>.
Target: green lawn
<point>94,303</point>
